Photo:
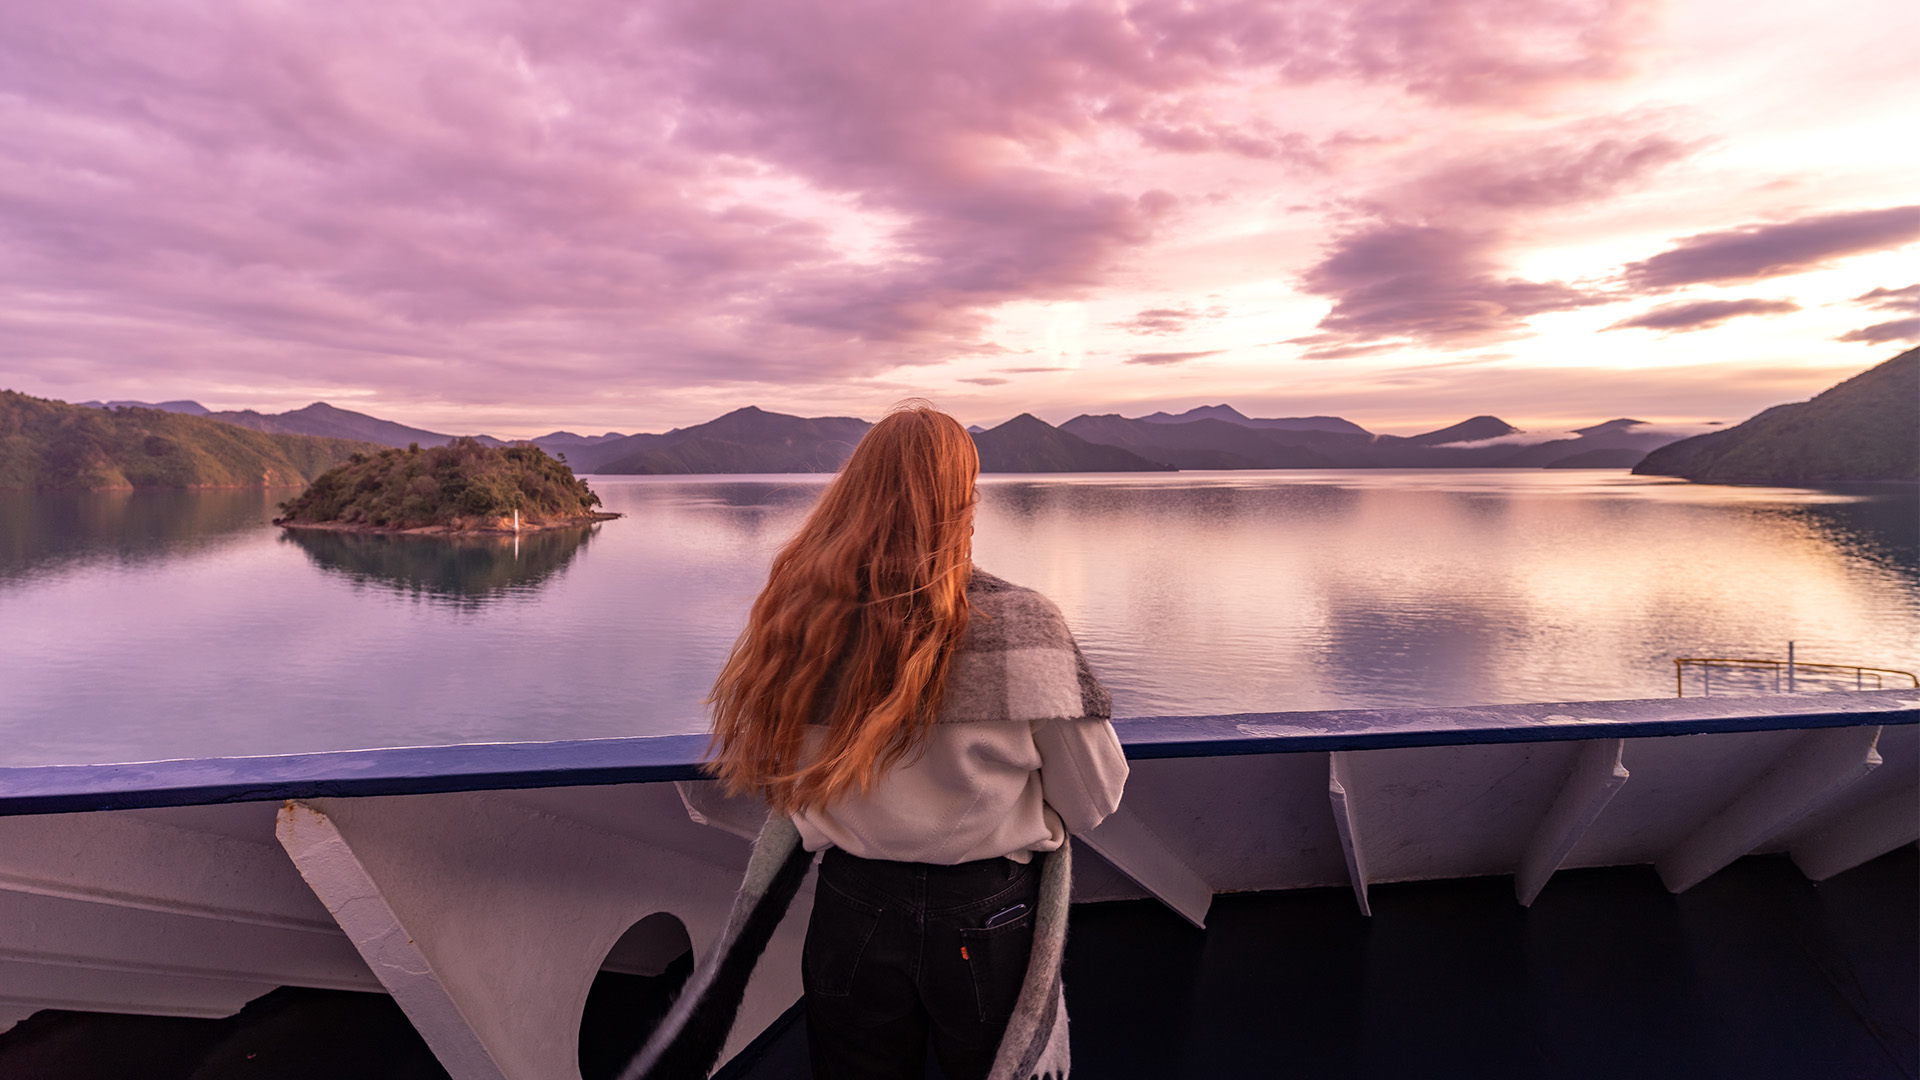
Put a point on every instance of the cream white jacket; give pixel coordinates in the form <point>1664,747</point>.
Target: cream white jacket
<point>1023,751</point>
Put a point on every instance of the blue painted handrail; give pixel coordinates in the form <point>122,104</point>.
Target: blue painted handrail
<point>51,789</point>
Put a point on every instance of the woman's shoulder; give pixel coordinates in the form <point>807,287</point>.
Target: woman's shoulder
<point>1018,660</point>
<point>997,593</point>
<point>1013,616</point>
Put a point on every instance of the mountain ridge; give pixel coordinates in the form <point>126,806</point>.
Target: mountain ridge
<point>747,440</point>
<point>1862,429</point>
<point>751,439</point>
<point>1472,429</point>
<point>1231,415</point>
<point>52,445</point>
<point>333,422</point>
<point>1028,444</point>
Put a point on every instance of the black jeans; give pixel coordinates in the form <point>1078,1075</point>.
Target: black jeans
<point>898,953</point>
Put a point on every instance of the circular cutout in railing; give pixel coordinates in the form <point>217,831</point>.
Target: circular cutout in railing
<point>638,980</point>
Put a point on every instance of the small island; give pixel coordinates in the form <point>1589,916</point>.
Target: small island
<point>463,487</point>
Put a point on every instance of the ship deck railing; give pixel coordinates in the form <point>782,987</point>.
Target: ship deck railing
<point>486,886</point>
<point>1759,676</point>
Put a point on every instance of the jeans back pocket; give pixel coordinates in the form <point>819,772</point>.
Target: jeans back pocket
<point>997,958</point>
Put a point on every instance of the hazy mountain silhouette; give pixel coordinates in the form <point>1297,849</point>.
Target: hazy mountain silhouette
<point>1615,444</point>
<point>1606,427</point>
<point>1864,429</point>
<point>753,440</point>
<point>580,452</point>
<point>568,438</point>
<point>191,408</point>
<point>1233,416</point>
<point>1471,430</point>
<point>1218,444</point>
<point>749,440</point>
<point>332,422</point>
<point>1027,444</point>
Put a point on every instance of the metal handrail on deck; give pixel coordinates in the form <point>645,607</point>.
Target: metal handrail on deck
<point>1786,668</point>
<point>424,770</point>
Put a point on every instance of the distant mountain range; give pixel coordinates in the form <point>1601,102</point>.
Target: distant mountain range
<point>325,420</point>
<point>191,408</point>
<point>1864,429</point>
<point>1028,444</point>
<point>1233,416</point>
<point>753,440</point>
<point>332,422</point>
<point>1483,442</point>
<point>749,440</point>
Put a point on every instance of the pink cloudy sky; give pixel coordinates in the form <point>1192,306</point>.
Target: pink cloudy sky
<point>513,216</point>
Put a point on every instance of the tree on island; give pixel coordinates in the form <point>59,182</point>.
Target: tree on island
<point>461,486</point>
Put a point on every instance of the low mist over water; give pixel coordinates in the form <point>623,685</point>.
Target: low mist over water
<point>174,624</point>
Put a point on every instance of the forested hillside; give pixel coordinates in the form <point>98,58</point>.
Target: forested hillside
<point>1864,429</point>
<point>53,445</point>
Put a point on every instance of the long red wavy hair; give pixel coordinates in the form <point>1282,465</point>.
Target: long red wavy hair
<point>861,614</point>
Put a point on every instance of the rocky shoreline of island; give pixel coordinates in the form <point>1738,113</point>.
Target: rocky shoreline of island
<point>493,527</point>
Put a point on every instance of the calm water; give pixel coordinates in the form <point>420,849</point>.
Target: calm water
<point>181,624</point>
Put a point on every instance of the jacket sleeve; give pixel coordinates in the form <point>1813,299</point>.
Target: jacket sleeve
<point>1082,768</point>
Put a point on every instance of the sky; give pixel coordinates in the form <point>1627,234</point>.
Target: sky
<point>512,217</point>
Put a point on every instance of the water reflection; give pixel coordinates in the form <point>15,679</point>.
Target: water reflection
<point>180,624</point>
<point>1884,526</point>
<point>466,570</point>
<point>44,532</point>
<point>1263,592</point>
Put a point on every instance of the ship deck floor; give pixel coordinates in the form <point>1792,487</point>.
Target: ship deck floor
<point>1755,972</point>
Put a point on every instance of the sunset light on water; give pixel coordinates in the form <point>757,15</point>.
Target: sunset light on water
<point>179,624</point>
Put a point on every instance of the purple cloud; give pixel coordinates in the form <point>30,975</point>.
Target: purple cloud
<point>1170,357</point>
<point>1883,299</point>
<point>1691,315</point>
<point>1256,140</point>
<point>1907,299</point>
<point>1906,330</point>
<point>507,202</point>
<point>1329,347</point>
<point>1555,173</point>
<point>1427,283</point>
<point>1401,276</point>
<point>1752,252</point>
<point>1450,50</point>
<point>986,380</point>
<point>899,103</point>
<point>1159,321</point>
